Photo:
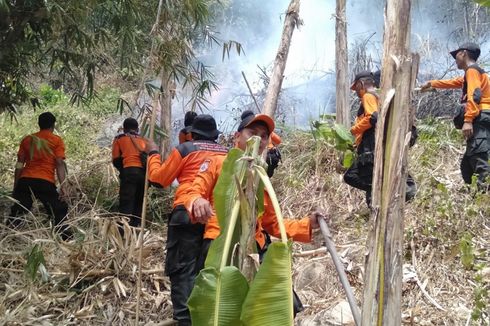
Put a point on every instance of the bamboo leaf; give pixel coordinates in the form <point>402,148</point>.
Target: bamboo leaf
<point>34,260</point>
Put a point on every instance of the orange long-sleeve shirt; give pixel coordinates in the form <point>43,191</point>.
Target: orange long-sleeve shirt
<point>128,146</point>
<point>298,230</point>
<point>183,164</point>
<point>369,105</point>
<point>474,80</point>
<point>41,163</point>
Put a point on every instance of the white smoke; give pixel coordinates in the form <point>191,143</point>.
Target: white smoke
<point>309,82</point>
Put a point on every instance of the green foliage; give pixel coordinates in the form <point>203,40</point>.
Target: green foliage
<point>335,135</point>
<point>481,298</point>
<point>71,41</point>
<point>36,263</point>
<point>485,3</point>
<point>269,295</point>
<point>211,306</point>
<point>226,188</point>
<point>467,251</point>
<point>50,96</point>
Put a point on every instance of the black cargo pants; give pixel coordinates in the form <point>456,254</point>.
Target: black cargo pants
<point>475,159</point>
<point>46,193</point>
<point>360,176</point>
<point>184,241</point>
<point>131,192</point>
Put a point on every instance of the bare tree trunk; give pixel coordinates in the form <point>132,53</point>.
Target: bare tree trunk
<point>383,280</point>
<point>290,22</point>
<point>166,114</point>
<point>341,66</point>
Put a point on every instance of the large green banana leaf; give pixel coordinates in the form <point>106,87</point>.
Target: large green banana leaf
<point>270,299</point>
<point>224,198</point>
<point>217,297</point>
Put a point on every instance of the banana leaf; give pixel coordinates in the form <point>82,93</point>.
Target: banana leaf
<point>270,298</point>
<point>224,198</point>
<point>217,297</point>
<point>343,133</point>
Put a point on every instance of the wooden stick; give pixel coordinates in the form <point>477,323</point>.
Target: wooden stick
<point>340,270</point>
<point>250,90</point>
<point>314,252</point>
<point>143,212</point>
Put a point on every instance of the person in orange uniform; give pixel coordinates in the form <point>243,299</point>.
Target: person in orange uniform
<point>39,156</point>
<point>199,198</point>
<point>184,239</point>
<point>184,133</point>
<point>474,114</point>
<point>360,174</point>
<point>126,157</point>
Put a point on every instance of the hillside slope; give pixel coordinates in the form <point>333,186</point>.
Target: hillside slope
<point>92,280</point>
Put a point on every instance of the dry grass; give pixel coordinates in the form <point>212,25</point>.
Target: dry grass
<point>93,278</point>
<point>443,212</point>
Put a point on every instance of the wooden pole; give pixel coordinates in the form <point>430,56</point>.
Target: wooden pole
<point>274,88</point>
<point>383,279</point>
<point>341,66</point>
<point>340,270</point>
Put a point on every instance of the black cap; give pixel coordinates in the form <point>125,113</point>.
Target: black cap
<point>205,125</point>
<point>471,47</point>
<point>46,120</point>
<point>189,118</point>
<point>130,124</point>
<point>361,75</point>
<point>248,117</point>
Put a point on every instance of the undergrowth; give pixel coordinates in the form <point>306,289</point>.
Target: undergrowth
<point>447,227</point>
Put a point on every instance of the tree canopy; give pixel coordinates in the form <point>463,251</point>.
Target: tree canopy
<point>67,42</point>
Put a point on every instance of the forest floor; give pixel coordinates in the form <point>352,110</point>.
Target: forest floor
<point>92,279</point>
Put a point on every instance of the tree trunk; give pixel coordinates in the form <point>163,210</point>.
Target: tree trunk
<point>166,114</point>
<point>383,279</point>
<point>290,22</point>
<point>341,66</point>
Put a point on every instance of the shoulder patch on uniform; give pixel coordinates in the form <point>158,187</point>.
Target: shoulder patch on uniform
<point>204,166</point>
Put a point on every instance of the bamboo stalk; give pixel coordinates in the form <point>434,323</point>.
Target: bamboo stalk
<point>340,270</point>
<point>143,212</point>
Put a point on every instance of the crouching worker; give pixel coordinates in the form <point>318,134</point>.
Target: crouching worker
<point>360,174</point>
<point>129,158</point>
<point>39,156</point>
<point>184,239</point>
<point>199,198</point>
